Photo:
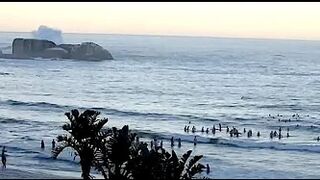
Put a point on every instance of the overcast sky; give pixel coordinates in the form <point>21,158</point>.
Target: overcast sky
<point>225,19</point>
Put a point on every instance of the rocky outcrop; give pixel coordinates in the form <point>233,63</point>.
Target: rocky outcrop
<point>26,48</point>
<point>30,47</point>
<point>86,51</point>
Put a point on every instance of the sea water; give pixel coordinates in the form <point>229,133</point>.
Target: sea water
<point>157,85</point>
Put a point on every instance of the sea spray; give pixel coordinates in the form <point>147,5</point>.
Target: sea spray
<point>48,33</point>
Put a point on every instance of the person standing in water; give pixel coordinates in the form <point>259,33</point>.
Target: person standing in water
<point>179,142</point>
<point>208,169</point>
<point>219,127</point>
<point>193,129</point>
<point>207,130</point>
<point>53,144</point>
<point>42,144</point>
<point>172,142</point>
<point>4,158</point>
<point>195,140</point>
<point>214,129</point>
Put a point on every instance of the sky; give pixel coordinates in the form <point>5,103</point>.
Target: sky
<point>277,20</point>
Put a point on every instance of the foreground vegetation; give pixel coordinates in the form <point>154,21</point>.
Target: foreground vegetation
<point>117,154</point>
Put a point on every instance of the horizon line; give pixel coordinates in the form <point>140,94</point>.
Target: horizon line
<point>169,35</point>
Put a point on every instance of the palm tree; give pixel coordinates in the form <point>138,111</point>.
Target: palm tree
<point>84,136</point>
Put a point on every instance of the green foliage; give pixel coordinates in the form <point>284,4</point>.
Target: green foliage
<point>84,135</point>
<point>116,154</point>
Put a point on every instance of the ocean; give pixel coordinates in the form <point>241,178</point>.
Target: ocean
<point>156,85</point>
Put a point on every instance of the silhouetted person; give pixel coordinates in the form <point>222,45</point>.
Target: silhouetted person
<point>207,130</point>
<point>244,130</point>
<point>188,128</point>
<point>161,144</point>
<point>4,158</point>
<point>202,130</point>
<point>172,141</point>
<point>219,127</point>
<point>280,136</point>
<point>280,130</point>
<point>137,139</point>
<point>227,129</point>
<point>208,169</point>
<point>271,134</point>
<point>318,139</point>
<point>185,129</point>
<point>179,142</point>
<point>193,129</point>
<point>75,155</point>
<point>195,140</point>
<point>53,144</point>
<point>249,133</point>
<point>258,134</point>
<point>42,144</point>
<point>189,122</point>
<point>214,129</point>
<point>275,134</point>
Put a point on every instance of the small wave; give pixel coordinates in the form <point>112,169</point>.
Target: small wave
<point>297,74</point>
<point>272,145</point>
<point>34,104</point>
<point>13,121</point>
<point>156,116</point>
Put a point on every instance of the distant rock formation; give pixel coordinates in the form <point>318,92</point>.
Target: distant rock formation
<point>30,48</point>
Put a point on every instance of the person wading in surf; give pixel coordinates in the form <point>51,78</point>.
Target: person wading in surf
<point>3,158</point>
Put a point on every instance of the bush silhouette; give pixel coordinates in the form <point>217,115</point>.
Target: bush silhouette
<point>115,153</point>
